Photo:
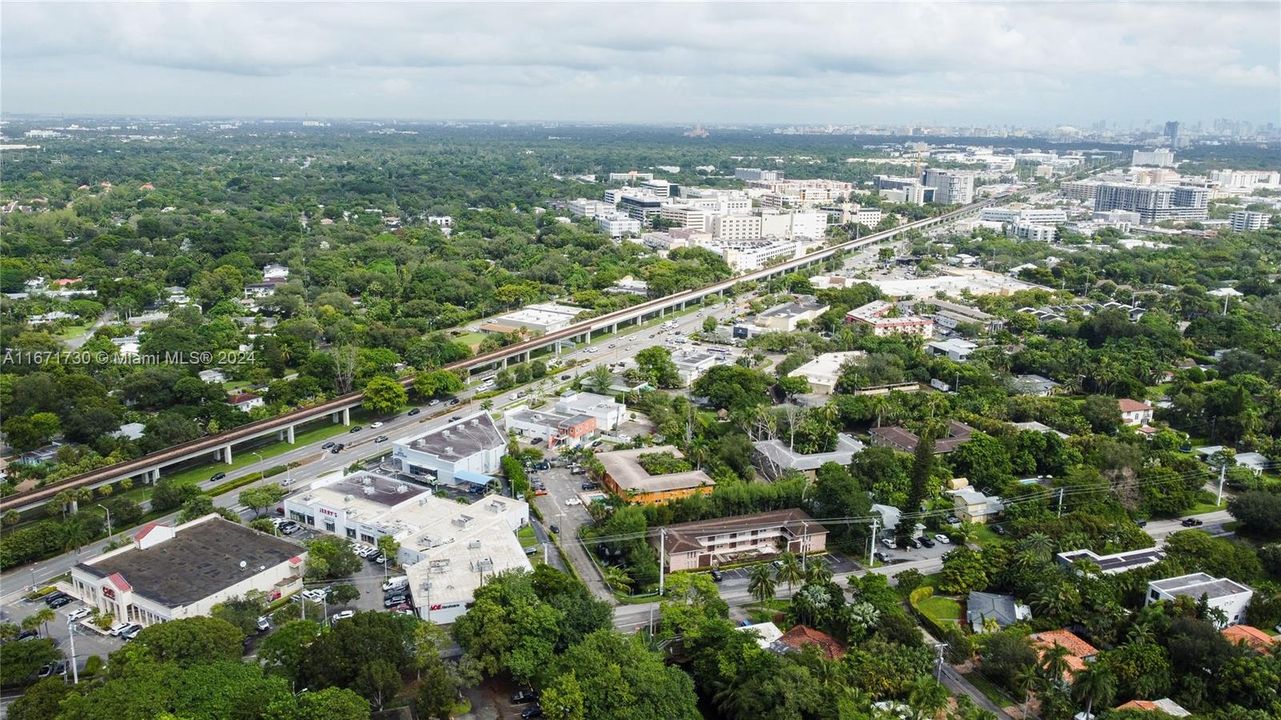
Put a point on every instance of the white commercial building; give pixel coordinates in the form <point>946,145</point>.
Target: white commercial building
<point>687,216</point>
<point>541,318</point>
<point>1032,232</point>
<point>617,225</point>
<point>824,371</point>
<point>886,318</point>
<point>169,573</point>
<point>954,348</point>
<point>1243,220</point>
<point>794,225</point>
<point>748,255</point>
<point>691,364</point>
<point>582,207</point>
<point>756,174</point>
<point>609,413</point>
<point>1228,596</point>
<point>786,317</point>
<point>736,227</point>
<point>471,446</point>
<point>1013,214</point>
<point>448,549</point>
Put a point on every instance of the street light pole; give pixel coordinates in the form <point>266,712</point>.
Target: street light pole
<point>108,511</point>
<point>71,635</point>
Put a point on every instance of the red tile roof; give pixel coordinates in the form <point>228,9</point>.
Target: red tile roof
<point>1128,405</point>
<point>801,635</point>
<point>119,581</point>
<point>142,533</point>
<point>1078,649</point>
<point>1252,636</point>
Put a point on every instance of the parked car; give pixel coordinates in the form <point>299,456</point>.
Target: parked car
<point>392,601</point>
<point>879,555</point>
<point>927,542</point>
<point>717,576</point>
<point>132,632</point>
<point>524,696</point>
<point>399,581</point>
<point>119,628</point>
<point>27,634</point>
<point>83,612</point>
<point>998,529</point>
<point>55,595</point>
<point>344,615</point>
<point>414,412</point>
<point>573,501</point>
<point>217,476</point>
<point>264,623</point>
<point>887,543</point>
<point>530,713</point>
<point>943,539</point>
<point>59,602</point>
<point>378,559</point>
<point>531,551</point>
<point>590,486</point>
<point>554,528</point>
<point>316,594</point>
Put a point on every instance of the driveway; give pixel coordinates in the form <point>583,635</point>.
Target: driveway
<point>561,486</point>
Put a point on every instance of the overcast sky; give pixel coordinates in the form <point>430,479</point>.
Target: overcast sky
<point>1034,63</point>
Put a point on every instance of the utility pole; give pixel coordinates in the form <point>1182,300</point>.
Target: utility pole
<point>108,511</point>
<point>1223,472</point>
<point>871,548</point>
<point>805,536</point>
<point>662,557</point>
<point>75,671</point>
<point>1061,502</point>
<point>938,671</point>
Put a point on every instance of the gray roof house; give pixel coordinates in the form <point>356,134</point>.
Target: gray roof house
<point>1003,609</point>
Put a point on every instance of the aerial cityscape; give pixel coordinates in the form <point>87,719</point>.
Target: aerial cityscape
<point>640,361</point>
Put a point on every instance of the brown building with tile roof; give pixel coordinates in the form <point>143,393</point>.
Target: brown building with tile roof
<point>624,476</point>
<point>800,636</point>
<point>958,433</point>
<point>742,538</point>
<point>1079,651</point>
<point>1253,637</point>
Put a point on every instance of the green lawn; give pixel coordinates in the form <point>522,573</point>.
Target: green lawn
<point>526,536</point>
<point>73,331</point>
<point>984,535</point>
<point>759,613</point>
<point>943,610</point>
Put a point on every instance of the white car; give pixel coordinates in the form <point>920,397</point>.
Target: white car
<point>316,594</point>
<point>375,425</point>
<point>119,628</point>
<point>81,613</point>
<point>345,614</point>
<point>887,543</point>
<point>943,539</point>
<point>573,501</point>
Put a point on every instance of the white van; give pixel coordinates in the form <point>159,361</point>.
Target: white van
<point>394,583</point>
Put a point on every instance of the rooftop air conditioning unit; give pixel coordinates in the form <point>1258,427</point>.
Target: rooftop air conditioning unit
<point>369,490</point>
<point>473,545</point>
<point>366,481</point>
<point>347,498</point>
<point>401,489</point>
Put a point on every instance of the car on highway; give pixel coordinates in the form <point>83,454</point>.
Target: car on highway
<point>414,412</point>
<point>566,376</point>
<point>217,476</point>
<point>434,402</point>
<point>337,448</point>
<point>376,425</point>
<point>455,418</point>
<point>355,429</point>
<point>1192,522</point>
<point>381,439</point>
<point>328,445</point>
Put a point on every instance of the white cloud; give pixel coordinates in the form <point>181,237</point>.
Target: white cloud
<point>989,58</point>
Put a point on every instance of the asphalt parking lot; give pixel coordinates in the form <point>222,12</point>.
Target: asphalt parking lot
<point>898,555</point>
<point>88,642</point>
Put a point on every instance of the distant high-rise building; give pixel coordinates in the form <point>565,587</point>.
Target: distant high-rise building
<point>1172,132</point>
<point>751,174</point>
<point>1154,203</point>
<point>1161,157</point>
<point>951,187</point>
<point>1243,220</point>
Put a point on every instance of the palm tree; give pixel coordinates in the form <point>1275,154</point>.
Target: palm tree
<point>617,579</point>
<point>818,573</point>
<point>599,378</point>
<point>1038,545</point>
<point>1026,680</point>
<point>1095,683</point>
<point>788,570</point>
<point>1054,664</point>
<point>39,618</point>
<point>761,583</point>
